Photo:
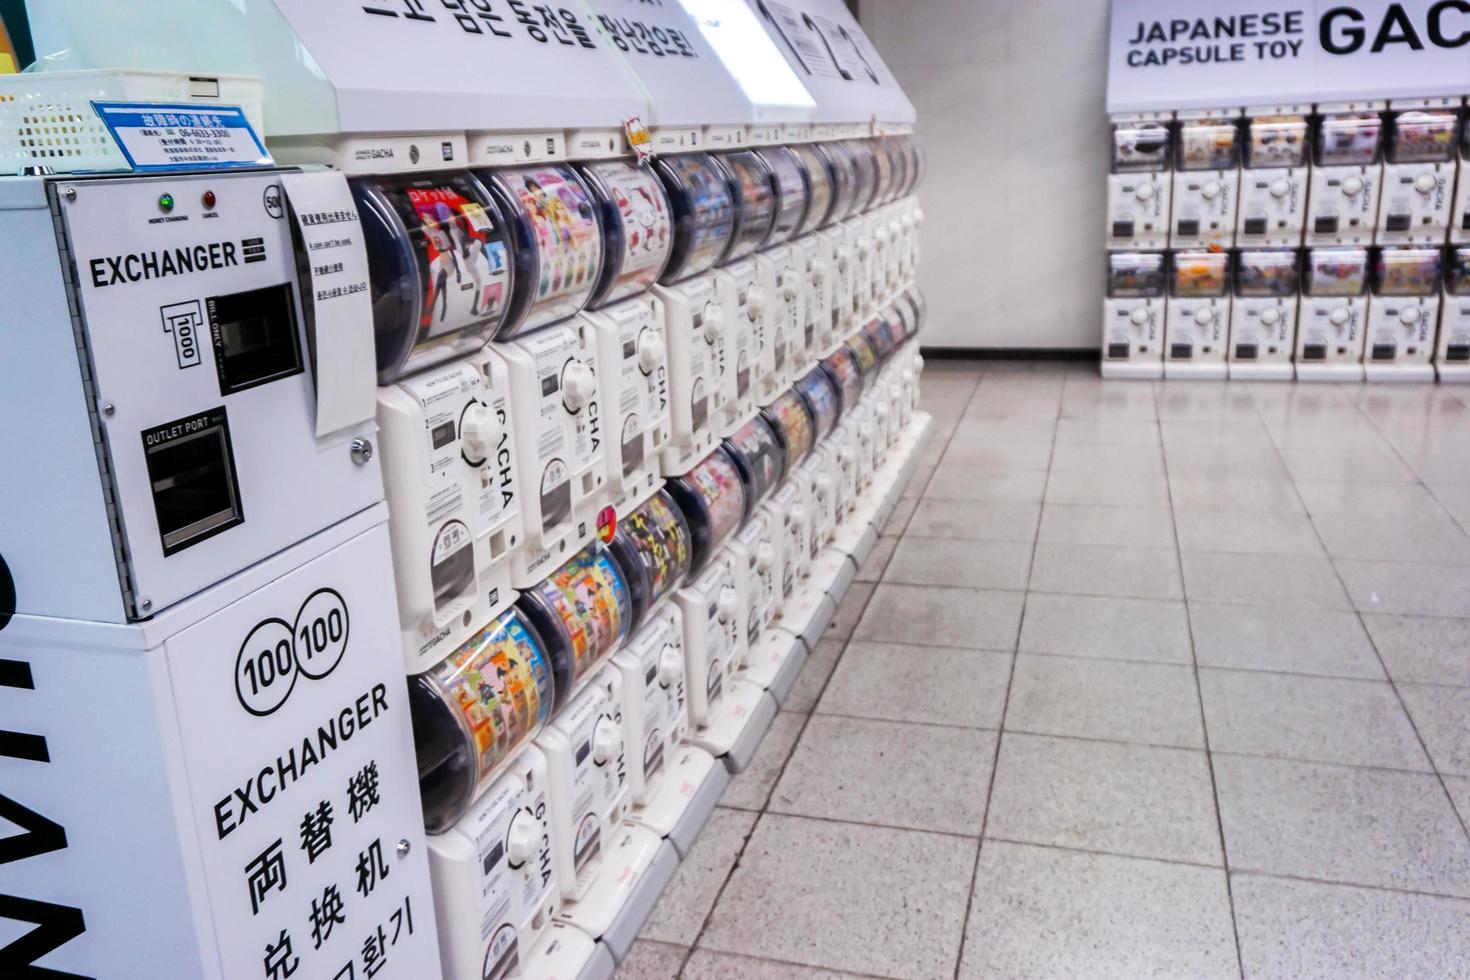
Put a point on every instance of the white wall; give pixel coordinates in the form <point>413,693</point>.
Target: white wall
<point>1010,101</point>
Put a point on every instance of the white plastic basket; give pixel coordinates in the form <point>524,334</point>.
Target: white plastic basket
<point>47,120</point>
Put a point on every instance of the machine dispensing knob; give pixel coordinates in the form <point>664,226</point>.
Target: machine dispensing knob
<point>755,301</point>
<point>714,324</point>
<point>844,258</point>
<point>650,351</point>
<point>1204,316</point>
<point>908,222</point>
<point>1352,186</point>
<point>824,485</point>
<point>1210,190</point>
<point>579,385</point>
<point>670,664</point>
<point>520,839</point>
<point>819,270</point>
<point>1424,183</point>
<point>1338,316</point>
<point>1139,316</point>
<point>727,605</point>
<point>918,363</point>
<point>863,250</point>
<point>479,430</point>
<point>607,741</point>
<point>1270,316</point>
<point>1279,187</point>
<point>1409,315</point>
<point>880,412</point>
<point>918,216</point>
<point>1145,191</point>
<point>788,290</point>
<point>765,556</point>
<point>797,515</point>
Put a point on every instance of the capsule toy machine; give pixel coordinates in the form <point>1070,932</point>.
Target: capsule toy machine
<point>628,322</point>
<point>1417,202</point>
<point>1403,315</point>
<point>914,369</point>
<point>912,215</point>
<point>814,251</point>
<point>675,784</point>
<point>898,319</point>
<point>1140,185</point>
<point>695,320</point>
<point>1273,183</point>
<point>863,232</point>
<point>192,626</point>
<point>1133,315</point>
<point>1206,179</point>
<point>773,655</point>
<point>1452,353</point>
<point>1334,313</point>
<point>556,411</point>
<point>727,716</point>
<point>1346,176</point>
<point>805,608</point>
<point>873,435</point>
<point>783,271</point>
<point>1460,217</point>
<point>887,220</point>
<point>830,567</point>
<point>1197,315</point>
<point>843,451</point>
<point>845,297</point>
<point>485,794</point>
<point>609,871</point>
<point>1263,315</point>
<point>440,281</point>
<point>750,343</point>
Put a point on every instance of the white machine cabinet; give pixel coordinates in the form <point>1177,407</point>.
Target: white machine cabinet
<point>1417,202</point>
<point>1197,315</point>
<point>1403,315</point>
<point>1452,356</point>
<point>1133,315</point>
<point>1263,315</point>
<point>1273,183</point>
<point>1347,172</point>
<point>1206,179</point>
<point>1139,186</point>
<point>1334,314</point>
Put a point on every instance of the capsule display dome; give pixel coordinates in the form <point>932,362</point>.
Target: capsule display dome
<point>817,174</point>
<point>652,547</point>
<point>792,422</point>
<point>820,395</point>
<point>788,182</point>
<point>582,612</point>
<point>1335,272</point>
<point>760,458</point>
<point>440,276</point>
<point>704,213</point>
<point>847,378</point>
<point>865,355</point>
<point>472,711</point>
<point>755,202</point>
<point>712,498</point>
<point>556,243</point>
<point>865,174</point>
<point>1266,273</point>
<point>843,170</point>
<point>637,229</point>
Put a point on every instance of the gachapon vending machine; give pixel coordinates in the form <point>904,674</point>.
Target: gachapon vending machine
<point>628,322</point>
<point>1334,315</point>
<point>1206,179</point>
<point>750,343</point>
<point>1403,314</point>
<point>696,323</point>
<point>1460,216</point>
<point>1140,186</point>
<point>832,569</point>
<point>840,244</point>
<point>609,871</point>
<point>773,654</point>
<point>675,784</point>
<point>1197,315</point>
<point>1417,202</point>
<point>1273,183</point>
<point>816,249</point>
<point>1452,354</point>
<point>1133,315</point>
<point>556,410</point>
<point>804,608</point>
<point>1263,314</point>
<point>782,272</point>
<point>727,716</point>
<point>1342,205</point>
<point>440,278</point>
<point>484,789</point>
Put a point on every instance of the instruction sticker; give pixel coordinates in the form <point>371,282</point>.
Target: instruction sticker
<point>158,136</point>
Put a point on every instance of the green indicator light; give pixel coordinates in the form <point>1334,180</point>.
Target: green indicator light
<point>166,202</point>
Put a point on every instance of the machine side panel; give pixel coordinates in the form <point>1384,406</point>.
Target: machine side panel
<point>55,537</point>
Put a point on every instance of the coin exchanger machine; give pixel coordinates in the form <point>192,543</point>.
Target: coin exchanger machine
<point>434,507</point>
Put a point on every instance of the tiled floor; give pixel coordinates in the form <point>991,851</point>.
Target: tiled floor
<point>1167,680</point>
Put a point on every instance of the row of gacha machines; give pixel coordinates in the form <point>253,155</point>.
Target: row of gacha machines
<point>1353,173</point>
<point>570,750</point>
<point>626,415</point>
<point>1337,314</point>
